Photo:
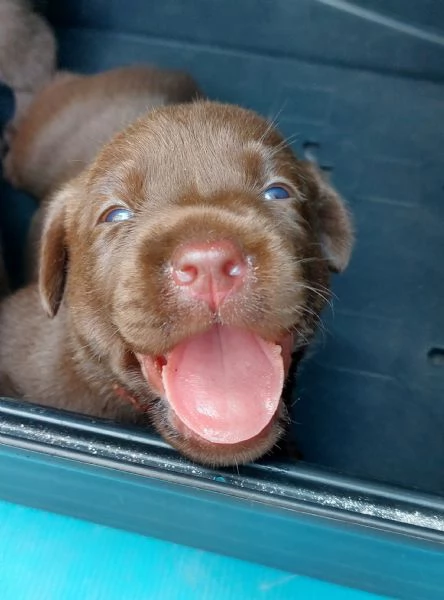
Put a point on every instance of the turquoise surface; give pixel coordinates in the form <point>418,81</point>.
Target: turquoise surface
<point>49,557</point>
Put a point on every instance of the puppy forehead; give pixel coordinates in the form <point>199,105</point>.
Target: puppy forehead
<point>188,147</point>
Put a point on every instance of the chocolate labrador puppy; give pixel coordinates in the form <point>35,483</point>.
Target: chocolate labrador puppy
<point>178,274</point>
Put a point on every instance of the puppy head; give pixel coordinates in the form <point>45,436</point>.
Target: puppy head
<point>193,257</point>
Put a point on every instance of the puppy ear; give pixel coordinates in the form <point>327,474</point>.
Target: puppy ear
<point>53,255</point>
<point>334,223</point>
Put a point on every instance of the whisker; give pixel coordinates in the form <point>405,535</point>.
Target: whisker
<point>318,292</point>
<point>285,143</point>
<point>272,121</point>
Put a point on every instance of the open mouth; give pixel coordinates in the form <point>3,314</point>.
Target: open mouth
<point>223,385</point>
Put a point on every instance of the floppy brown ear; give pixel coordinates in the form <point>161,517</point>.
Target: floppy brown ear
<point>334,223</point>
<point>53,256</point>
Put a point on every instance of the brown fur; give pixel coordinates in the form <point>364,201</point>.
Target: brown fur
<point>27,53</point>
<point>188,172</point>
<point>72,117</point>
<point>75,115</point>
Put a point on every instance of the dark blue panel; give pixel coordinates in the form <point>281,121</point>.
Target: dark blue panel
<point>331,31</point>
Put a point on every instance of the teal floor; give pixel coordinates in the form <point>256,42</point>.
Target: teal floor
<point>49,557</point>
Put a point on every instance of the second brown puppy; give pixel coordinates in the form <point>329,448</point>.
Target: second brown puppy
<point>73,116</point>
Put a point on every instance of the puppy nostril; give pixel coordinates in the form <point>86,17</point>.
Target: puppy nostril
<point>233,269</point>
<point>185,275</point>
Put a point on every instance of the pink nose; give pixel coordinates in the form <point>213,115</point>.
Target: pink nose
<point>209,271</point>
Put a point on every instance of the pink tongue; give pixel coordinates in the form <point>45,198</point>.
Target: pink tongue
<point>224,384</point>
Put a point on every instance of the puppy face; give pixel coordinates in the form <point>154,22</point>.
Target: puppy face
<point>193,257</point>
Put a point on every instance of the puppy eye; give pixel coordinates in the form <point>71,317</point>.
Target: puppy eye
<point>276,192</point>
<point>115,215</point>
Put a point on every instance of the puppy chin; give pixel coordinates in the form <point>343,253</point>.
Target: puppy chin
<point>188,443</point>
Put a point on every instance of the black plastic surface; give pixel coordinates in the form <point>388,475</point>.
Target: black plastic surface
<point>360,87</point>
